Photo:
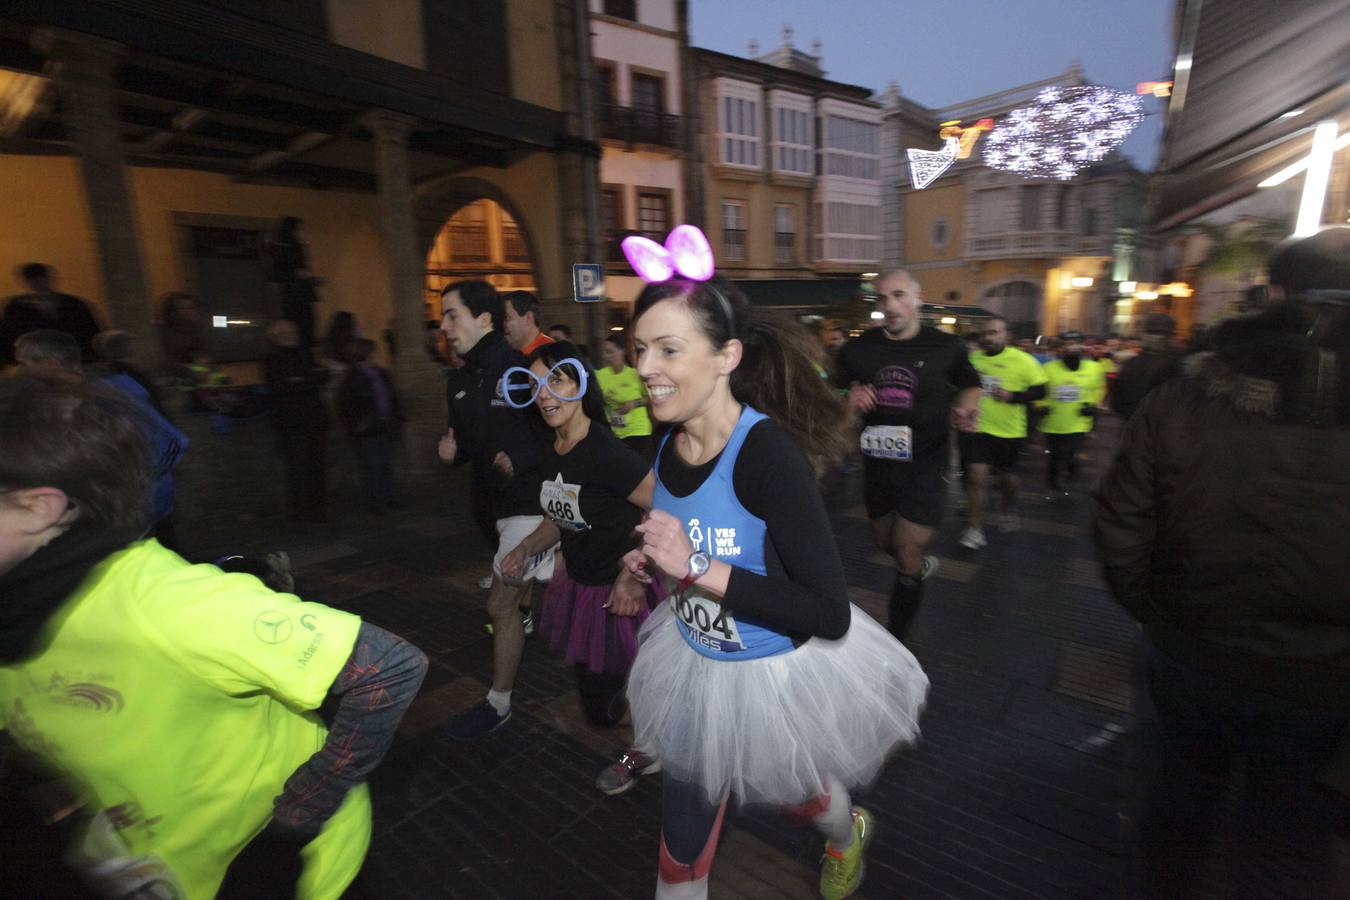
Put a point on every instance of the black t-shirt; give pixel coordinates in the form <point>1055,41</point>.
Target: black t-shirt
<point>585,492</point>
<point>914,380</point>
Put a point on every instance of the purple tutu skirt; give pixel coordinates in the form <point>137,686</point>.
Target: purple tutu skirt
<point>576,624</point>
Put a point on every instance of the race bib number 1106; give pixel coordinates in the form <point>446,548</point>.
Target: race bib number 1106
<point>887,442</point>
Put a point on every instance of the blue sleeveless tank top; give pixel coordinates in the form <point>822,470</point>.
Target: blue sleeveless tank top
<point>721,527</point>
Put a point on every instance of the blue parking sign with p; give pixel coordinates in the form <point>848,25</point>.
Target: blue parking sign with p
<point>588,282</point>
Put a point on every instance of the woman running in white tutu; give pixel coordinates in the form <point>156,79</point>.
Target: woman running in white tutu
<point>758,679</point>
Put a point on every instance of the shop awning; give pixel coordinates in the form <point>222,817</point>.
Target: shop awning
<point>1253,78</point>
<point>800,293</point>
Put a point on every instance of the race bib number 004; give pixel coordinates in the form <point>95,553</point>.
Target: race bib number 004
<point>707,622</point>
<point>562,503</point>
<point>887,442</point>
<point>990,383</point>
<point>1066,393</point>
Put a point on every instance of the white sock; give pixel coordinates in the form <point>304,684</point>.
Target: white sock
<point>682,890</point>
<point>500,700</point>
<point>836,822</point>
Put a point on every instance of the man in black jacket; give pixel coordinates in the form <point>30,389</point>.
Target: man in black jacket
<point>1223,528</point>
<point>43,307</point>
<point>299,418</point>
<point>503,446</point>
<point>1155,363</point>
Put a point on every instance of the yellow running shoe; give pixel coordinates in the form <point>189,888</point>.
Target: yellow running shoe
<point>841,871</point>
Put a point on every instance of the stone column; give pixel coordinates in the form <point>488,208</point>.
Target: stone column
<point>85,81</point>
<point>420,385</point>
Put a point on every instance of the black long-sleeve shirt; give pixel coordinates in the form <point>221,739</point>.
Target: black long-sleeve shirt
<point>804,592</point>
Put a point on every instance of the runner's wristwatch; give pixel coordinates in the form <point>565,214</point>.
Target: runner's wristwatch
<point>698,565</point>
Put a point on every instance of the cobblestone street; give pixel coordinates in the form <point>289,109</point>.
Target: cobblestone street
<point>1016,789</point>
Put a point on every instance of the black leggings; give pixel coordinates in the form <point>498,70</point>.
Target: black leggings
<point>690,824</point>
<point>1063,457</point>
<point>602,696</point>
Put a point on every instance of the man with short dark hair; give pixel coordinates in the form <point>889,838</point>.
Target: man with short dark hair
<point>43,307</point>
<point>54,357</point>
<point>1011,379</point>
<point>1076,387</point>
<point>560,332</point>
<point>1222,527</point>
<point>504,448</point>
<point>178,704</point>
<point>521,322</point>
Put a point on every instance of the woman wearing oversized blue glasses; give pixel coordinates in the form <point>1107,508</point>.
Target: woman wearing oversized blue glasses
<point>595,489</point>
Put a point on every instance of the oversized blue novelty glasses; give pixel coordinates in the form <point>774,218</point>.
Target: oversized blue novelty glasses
<point>520,386</point>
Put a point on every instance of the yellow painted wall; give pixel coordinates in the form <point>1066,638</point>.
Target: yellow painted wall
<point>937,282</point>
<point>534,52</point>
<point>759,197</point>
<point>341,230</point>
<point>388,28</point>
<point>922,210</point>
<point>48,221</point>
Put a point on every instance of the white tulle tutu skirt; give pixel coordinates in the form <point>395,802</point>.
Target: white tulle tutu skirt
<point>773,730</point>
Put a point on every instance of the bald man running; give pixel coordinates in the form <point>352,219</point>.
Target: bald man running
<point>908,380</point>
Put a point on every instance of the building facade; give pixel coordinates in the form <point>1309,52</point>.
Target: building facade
<point>1253,83</point>
<point>146,149</point>
<point>791,184</point>
<point>1046,255</point>
<point>639,52</point>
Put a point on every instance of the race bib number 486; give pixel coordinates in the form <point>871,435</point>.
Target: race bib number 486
<point>707,622</point>
<point>887,442</point>
<point>561,502</point>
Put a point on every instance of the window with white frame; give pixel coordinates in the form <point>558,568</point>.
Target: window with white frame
<point>850,231</point>
<point>784,233</point>
<point>852,147</point>
<point>793,145</point>
<point>738,132</point>
<point>733,229</point>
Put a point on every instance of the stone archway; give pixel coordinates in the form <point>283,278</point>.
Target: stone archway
<point>1019,301</point>
<point>439,206</point>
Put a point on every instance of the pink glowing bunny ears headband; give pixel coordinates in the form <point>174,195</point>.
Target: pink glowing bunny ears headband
<point>686,251</point>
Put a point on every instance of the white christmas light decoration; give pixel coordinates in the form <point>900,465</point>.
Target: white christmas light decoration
<point>926,165</point>
<point>1065,130</point>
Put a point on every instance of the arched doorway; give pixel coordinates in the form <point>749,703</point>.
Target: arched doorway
<point>1020,303</point>
<point>481,239</point>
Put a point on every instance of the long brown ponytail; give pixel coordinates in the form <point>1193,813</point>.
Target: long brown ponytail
<point>777,374</point>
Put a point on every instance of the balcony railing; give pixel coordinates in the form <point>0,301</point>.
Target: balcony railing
<point>640,126</point>
<point>1022,243</point>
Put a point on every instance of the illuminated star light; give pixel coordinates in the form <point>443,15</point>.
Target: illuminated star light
<point>1063,131</point>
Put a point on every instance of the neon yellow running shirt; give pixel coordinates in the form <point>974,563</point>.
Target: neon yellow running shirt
<point>179,699</point>
<point>619,388</point>
<point>1065,394</point>
<point>1013,371</point>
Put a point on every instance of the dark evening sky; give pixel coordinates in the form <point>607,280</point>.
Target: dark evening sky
<point>941,53</point>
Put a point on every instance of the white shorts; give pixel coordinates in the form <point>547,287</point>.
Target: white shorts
<point>510,532</point>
